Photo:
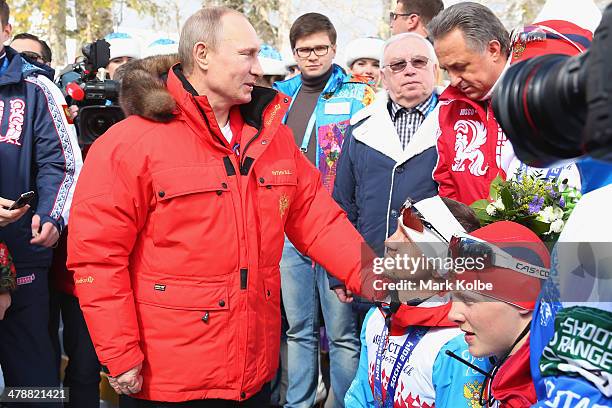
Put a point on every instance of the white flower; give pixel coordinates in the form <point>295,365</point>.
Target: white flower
<point>499,205</point>
<point>556,226</point>
<point>490,210</point>
<point>547,215</point>
<point>558,213</point>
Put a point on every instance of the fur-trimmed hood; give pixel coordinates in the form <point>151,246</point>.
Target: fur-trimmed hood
<point>143,89</point>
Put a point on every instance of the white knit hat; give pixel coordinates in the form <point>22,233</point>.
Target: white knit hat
<point>272,66</point>
<point>161,46</point>
<point>271,61</point>
<point>123,45</point>
<point>367,47</point>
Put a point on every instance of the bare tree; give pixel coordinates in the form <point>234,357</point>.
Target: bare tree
<point>257,11</point>
<point>94,20</point>
<point>384,28</point>
<point>524,11</point>
<point>284,25</point>
<point>57,32</point>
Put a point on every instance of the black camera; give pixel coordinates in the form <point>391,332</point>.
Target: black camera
<point>97,98</point>
<point>555,107</point>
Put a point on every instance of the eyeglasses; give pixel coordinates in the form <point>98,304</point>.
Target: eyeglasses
<point>319,50</point>
<point>33,56</point>
<point>393,16</point>
<point>417,62</point>
<point>467,246</point>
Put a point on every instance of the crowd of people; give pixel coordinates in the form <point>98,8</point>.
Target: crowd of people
<point>203,251</point>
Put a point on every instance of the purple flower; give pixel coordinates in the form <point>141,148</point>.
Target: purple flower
<point>562,202</point>
<point>551,191</point>
<point>535,205</point>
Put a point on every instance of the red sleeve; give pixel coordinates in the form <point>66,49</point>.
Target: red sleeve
<point>319,228</point>
<point>110,207</point>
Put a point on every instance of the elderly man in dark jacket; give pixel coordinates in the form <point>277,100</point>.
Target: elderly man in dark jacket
<point>389,152</point>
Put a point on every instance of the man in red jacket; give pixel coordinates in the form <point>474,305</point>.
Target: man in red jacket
<point>179,219</point>
<point>472,46</point>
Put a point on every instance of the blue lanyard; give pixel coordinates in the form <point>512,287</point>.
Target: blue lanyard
<point>311,122</point>
<point>415,335</point>
<point>308,132</point>
<point>433,105</point>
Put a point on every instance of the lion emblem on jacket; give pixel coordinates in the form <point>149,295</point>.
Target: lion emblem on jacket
<point>470,136</point>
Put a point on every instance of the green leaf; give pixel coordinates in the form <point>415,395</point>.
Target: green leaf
<point>484,218</point>
<point>494,188</point>
<point>480,204</point>
<point>539,227</point>
<point>506,197</point>
<point>480,209</point>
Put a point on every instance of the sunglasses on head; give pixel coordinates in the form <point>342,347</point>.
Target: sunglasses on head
<point>467,246</point>
<point>412,219</point>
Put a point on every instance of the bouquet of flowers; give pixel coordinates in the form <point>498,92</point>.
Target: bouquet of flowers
<point>7,269</point>
<point>542,205</point>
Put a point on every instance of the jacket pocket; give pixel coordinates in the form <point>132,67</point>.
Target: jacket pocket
<point>185,334</point>
<point>194,215</point>
<point>181,181</point>
<point>206,296</point>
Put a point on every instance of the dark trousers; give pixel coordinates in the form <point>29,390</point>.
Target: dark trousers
<point>26,352</point>
<point>259,400</point>
<point>82,373</point>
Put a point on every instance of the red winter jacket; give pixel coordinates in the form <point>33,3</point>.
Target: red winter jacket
<point>470,145</point>
<point>175,244</point>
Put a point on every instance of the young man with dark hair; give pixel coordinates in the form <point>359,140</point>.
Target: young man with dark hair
<point>414,15</point>
<point>324,98</point>
<point>38,152</point>
<point>32,47</point>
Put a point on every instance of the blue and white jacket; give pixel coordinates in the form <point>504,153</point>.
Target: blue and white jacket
<point>430,378</point>
<point>571,331</point>
<point>38,151</point>
<point>342,97</point>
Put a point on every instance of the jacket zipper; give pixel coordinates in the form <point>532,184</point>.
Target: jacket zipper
<point>243,153</point>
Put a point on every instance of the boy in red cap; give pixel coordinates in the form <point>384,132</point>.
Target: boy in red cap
<point>493,305</point>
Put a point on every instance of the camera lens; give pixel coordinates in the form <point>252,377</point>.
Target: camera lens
<point>95,120</point>
<point>540,104</point>
<point>98,124</point>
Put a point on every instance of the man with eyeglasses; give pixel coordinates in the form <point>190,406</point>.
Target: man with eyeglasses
<point>324,98</point>
<point>412,16</point>
<point>32,47</point>
<point>389,152</point>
